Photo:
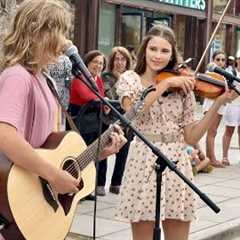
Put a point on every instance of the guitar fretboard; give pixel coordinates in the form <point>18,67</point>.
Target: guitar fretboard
<point>90,154</point>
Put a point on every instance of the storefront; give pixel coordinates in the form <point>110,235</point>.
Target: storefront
<point>125,22</point>
<point>130,20</point>
<point>228,36</point>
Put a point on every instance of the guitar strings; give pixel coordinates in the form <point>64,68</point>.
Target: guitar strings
<point>85,159</point>
<point>84,156</point>
<point>72,168</point>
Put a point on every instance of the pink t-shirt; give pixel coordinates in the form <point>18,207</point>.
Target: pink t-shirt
<point>27,103</point>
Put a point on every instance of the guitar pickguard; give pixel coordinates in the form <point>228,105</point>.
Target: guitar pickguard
<point>65,200</point>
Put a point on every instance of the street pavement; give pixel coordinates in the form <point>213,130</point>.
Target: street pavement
<point>222,186</point>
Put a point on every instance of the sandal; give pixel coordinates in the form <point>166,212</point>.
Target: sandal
<point>207,169</point>
<point>217,164</point>
<point>225,162</point>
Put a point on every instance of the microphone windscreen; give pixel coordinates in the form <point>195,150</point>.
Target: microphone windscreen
<point>71,50</point>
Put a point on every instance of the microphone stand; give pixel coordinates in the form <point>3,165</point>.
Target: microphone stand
<point>162,161</point>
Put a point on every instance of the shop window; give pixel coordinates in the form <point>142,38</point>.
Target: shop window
<point>132,24</point>
<point>106,34</point>
<point>237,8</point>
<point>180,30</point>
<point>219,42</point>
<point>219,6</point>
<point>238,38</point>
<point>160,18</point>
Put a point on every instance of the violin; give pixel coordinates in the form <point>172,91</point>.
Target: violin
<point>210,85</point>
<point>207,85</point>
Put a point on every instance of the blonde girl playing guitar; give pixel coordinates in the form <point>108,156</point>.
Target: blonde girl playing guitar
<point>28,108</point>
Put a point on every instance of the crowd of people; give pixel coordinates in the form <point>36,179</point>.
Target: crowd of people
<point>167,118</point>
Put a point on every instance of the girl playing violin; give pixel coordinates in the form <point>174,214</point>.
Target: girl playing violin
<point>168,121</point>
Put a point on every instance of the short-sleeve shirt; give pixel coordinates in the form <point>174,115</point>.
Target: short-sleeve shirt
<point>27,103</point>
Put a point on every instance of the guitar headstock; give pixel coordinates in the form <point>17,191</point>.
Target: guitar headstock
<point>139,103</point>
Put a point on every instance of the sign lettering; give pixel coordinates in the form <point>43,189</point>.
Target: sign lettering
<point>194,4</point>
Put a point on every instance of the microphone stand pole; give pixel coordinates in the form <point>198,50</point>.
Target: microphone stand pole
<point>161,163</point>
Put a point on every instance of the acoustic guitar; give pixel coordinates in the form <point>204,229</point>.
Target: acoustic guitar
<point>28,207</point>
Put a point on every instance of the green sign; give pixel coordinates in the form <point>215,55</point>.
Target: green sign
<point>194,4</point>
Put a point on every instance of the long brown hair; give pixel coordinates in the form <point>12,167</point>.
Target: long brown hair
<point>156,31</point>
<point>37,23</point>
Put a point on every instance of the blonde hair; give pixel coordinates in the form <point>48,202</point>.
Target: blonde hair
<point>38,23</point>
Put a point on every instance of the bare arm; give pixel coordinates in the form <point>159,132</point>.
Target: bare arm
<point>22,154</point>
<point>195,131</point>
<point>184,83</point>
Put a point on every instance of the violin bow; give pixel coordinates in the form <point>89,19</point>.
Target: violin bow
<point>212,37</point>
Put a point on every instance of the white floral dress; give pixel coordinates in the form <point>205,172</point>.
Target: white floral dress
<point>163,126</point>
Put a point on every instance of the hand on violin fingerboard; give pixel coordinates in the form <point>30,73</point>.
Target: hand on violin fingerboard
<point>185,83</point>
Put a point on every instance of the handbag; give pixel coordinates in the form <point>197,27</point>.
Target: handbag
<point>86,115</point>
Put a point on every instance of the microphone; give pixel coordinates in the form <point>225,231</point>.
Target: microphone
<point>226,74</point>
<point>79,67</point>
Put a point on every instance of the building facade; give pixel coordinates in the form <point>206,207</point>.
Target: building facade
<point>103,24</point>
<point>7,9</point>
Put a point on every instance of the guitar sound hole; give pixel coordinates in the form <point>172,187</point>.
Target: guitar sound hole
<point>71,167</point>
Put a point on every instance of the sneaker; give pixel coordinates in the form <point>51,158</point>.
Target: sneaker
<point>101,191</point>
<point>114,189</point>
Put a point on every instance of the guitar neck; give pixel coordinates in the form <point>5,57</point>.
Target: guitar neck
<point>90,154</point>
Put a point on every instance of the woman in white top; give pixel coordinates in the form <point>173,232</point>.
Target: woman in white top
<point>218,58</point>
<point>231,118</point>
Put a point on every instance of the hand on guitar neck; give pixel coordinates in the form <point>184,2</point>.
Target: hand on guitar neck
<point>117,140</point>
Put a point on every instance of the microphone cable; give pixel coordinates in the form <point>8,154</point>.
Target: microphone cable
<point>100,129</point>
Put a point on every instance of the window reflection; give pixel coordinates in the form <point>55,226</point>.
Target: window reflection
<point>180,32</point>
<point>131,30</point>
<point>106,34</point>
<point>219,41</point>
<point>238,38</point>
<point>219,6</point>
<point>237,10</point>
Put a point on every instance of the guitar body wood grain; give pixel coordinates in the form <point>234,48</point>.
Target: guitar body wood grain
<point>30,215</point>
